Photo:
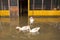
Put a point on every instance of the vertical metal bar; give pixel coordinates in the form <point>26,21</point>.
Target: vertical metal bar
<point>18,7</point>
<point>33,4</point>
<point>51,4</point>
<point>42,4</point>
<point>9,6</point>
<point>33,7</point>
<point>1,4</point>
<point>58,5</point>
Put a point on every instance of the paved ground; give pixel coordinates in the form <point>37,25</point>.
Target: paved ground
<point>50,29</point>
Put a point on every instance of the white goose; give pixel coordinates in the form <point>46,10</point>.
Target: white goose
<point>27,28</point>
<point>24,28</point>
<point>31,20</point>
<point>34,30</point>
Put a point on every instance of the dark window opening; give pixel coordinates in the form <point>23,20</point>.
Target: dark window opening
<point>45,4</point>
<point>4,5</point>
<point>13,2</point>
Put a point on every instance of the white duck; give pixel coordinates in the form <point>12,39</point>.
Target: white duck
<point>34,30</point>
<point>31,20</point>
<point>24,28</point>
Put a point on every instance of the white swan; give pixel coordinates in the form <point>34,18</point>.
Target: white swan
<point>31,20</point>
<point>24,28</point>
<point>34,30</point>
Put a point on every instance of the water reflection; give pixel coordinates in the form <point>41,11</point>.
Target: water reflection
<point>50,29</point>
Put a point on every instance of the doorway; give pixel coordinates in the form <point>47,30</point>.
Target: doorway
<point>23,12</point>
<point>23,7</point>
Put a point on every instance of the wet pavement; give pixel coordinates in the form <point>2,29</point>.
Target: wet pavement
<point>50,29</point>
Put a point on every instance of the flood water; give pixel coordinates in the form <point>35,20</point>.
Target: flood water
<point>50,29</point>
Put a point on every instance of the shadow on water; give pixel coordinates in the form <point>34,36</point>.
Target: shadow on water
<point>50,29</point>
